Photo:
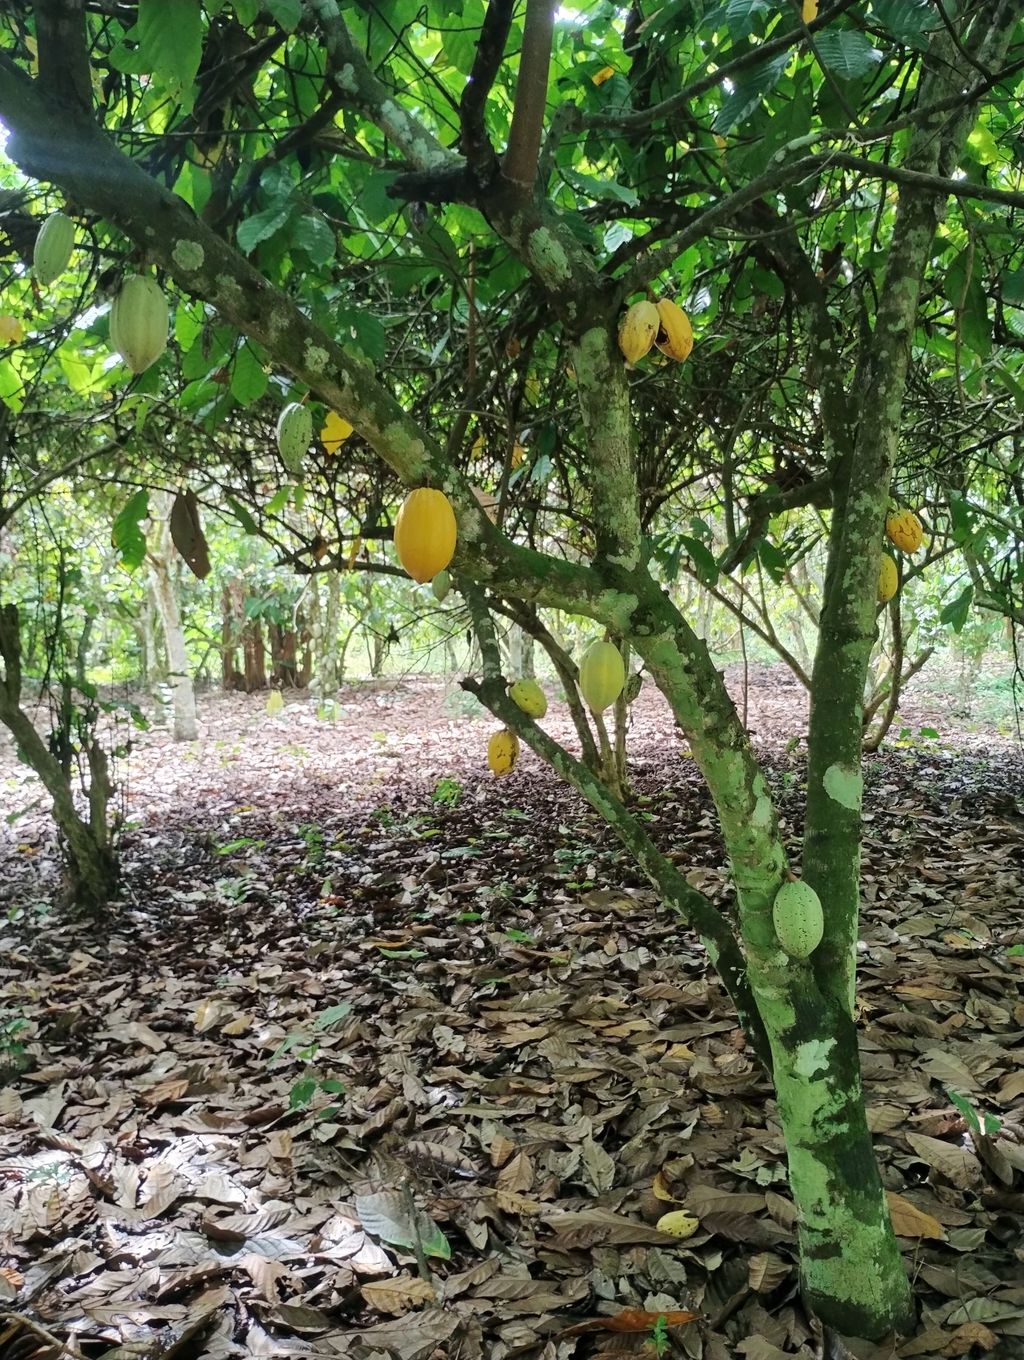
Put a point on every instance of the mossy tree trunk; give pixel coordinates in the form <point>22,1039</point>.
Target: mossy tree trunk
<point>89,856</point>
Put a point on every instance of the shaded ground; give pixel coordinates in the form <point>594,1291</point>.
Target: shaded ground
<point>370,1064</point>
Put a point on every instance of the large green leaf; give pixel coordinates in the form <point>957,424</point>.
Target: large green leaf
<point>171,44</point>
<point>126,535</point>
<point>849,53</point>
<point>749,90</point>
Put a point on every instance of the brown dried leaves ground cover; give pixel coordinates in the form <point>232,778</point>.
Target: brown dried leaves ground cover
<point>357,1071</point>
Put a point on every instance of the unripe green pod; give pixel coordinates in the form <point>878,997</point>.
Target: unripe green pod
<point>138,322</point>
<point>602,675</point>
<point>798,919</point>
<point>294,435</point>
<point>54,243</point>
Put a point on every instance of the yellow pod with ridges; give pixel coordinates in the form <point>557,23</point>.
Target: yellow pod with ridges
<point>637,331</point>
<point>425,533</point>
<point>675,334</point>
<point>904,531</point>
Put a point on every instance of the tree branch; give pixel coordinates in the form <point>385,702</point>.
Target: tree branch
<point>631,121</point>
<point>64,51</point>
<point>490,51</point>
<point>697,910</point>
<point>519,166</point>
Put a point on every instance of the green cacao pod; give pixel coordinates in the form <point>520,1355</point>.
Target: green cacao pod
<point>634,685</point>
<point>529,698</point>
<point>54,243</point>
<point>798,919</point>
<point>441,585</point>
<point>138,322</point>
<point>294,433</point>
<point>602,675</point>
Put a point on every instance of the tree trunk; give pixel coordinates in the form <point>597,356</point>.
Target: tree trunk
<point>91,862</point>
<point>229,676</point>
<point>179,677</point>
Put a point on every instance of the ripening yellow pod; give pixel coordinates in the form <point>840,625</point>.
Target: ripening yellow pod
<point>425,533</point>
<point>675,334</point>
<point>502,752</point>
<point>637,331</point>
<point>904,530</point>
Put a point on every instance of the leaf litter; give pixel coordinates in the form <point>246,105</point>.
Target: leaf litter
<point>378,1057</point>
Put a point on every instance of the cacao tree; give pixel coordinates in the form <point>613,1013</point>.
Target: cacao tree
<point>827,189</point>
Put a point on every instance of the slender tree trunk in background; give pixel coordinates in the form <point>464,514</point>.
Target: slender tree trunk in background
<point>304,669</point>
<point>254,652</point>
<point>179,676</point>
<point>229,676</point>
<point>330,638</point>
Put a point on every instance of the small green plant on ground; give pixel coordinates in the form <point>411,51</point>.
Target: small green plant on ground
<point>14,1058</point>
<point>305,1046</point>
<point>447,791</point>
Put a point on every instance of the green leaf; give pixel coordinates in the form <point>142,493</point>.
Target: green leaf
<point>279,500</point>
<point>242,515</point>
<point>849,53</point>
<point>703,559</point>
<point>313,235</point>
<point>597,189</point>
<point>744,99</point>
<point>286,12</point>
<point>374,201</point>
<point>171,44</point>
<point>126,535</point>
<point>908,19</point>
<point>302,1093</point>
<point>248,380</point>
<point>332,1015</point>
<point>955,613</point>
<point>740,17</point>
<point>358,329</point>
<point>261,226</point>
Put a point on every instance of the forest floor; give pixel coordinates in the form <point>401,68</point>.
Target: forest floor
<point>379,1057</point>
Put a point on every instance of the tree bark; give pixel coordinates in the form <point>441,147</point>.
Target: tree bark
<point>91,862</point>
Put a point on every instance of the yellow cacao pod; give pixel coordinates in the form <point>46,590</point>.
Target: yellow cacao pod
<point>888,579</point>
<point>809,11</point>
<point>502,752</point>
<point>55,241</point>
<point>798,919</point>
<point>638,329</point>
<point>904,530</point>
<point>425,533</point>
<point>602,675</point>
<point>679,1223</point>
<point>529,698</point>
<point>138,322</point>
<point>675,334</point>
